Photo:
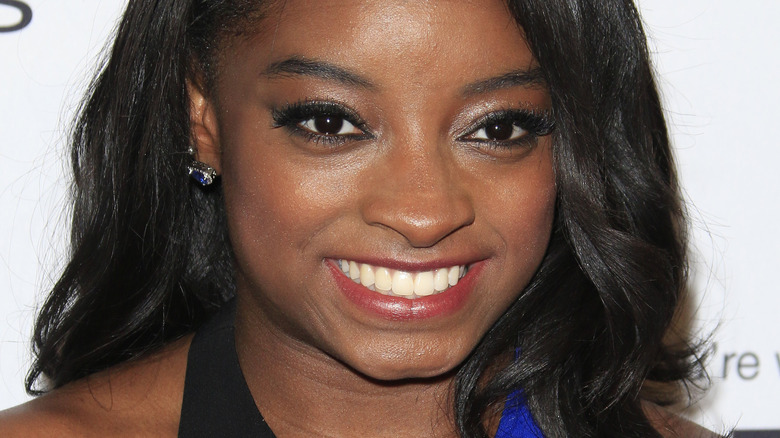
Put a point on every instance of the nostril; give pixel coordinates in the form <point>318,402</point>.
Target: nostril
<point>417,193</point>
<point>423,220</point>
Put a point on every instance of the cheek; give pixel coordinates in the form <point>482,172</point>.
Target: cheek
<point>263,207</point>
<point>522,213</point>
<point>268,209</point>
<point>277,205</point>
<point>531,219</point>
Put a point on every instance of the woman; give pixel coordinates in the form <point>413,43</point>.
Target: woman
<point>437,219</point>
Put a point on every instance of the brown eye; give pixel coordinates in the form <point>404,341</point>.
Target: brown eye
<point>502,130</point>
<point>509,128</point>
<point>499,131</point>
<point>330,125</point>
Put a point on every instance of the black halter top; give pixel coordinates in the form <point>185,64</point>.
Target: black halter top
<point>217,401</point>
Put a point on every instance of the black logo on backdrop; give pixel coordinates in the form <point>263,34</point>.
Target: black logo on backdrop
<point>22,7</point>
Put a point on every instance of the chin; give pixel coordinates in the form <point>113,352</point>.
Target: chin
<point>395,368</point>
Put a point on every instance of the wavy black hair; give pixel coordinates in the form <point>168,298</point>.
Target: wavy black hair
<point>151,261</point>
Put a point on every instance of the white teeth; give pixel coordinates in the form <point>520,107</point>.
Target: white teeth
<point>440,281</point>
<point>423,284</point>
<point>452,277</point>
<point>366,275</point>
<point>402,283</point>
<point>354,271</point>
<point>383,279</point>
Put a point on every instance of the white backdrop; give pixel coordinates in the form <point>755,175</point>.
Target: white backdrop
<point>718,62</point>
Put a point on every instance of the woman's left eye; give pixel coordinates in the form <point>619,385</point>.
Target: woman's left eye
<point>330,124</point>
<point>505,130</point>
<point>513,127</point>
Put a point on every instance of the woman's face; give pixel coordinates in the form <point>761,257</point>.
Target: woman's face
<point>403,139</point>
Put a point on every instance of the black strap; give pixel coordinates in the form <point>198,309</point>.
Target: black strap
<point>217,401</point>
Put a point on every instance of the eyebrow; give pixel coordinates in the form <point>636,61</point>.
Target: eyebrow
<point>300,66</point>
<point>516,78</point>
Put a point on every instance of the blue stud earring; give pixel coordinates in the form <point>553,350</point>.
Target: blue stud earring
<point>200,171</point>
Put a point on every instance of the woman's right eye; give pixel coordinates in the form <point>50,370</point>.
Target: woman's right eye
<point>320,122</point>
<point>330,124</point>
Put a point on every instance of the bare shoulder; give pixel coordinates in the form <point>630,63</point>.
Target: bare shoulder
<point>671,425</point>
<point>139,398</point>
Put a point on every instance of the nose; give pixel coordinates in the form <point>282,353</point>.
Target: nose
<point>416,192</point>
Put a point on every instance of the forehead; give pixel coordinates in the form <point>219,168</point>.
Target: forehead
<point>404,40</point>
<point>391,21</point>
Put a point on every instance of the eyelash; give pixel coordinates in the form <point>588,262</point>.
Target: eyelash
<point>292,116</point>
<point>534,123</point>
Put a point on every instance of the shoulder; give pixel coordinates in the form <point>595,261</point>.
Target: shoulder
<point>139,398</point>
<point>671,425</point>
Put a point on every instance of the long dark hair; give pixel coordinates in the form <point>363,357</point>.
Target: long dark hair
<point>591,324</point>
<point>150,260</point>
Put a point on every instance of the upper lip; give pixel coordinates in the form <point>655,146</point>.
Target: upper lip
<point>413,265</point>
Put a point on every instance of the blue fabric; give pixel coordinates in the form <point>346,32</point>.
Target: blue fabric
<point>516,420</point>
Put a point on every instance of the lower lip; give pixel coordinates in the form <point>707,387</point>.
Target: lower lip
<point>403,309</point>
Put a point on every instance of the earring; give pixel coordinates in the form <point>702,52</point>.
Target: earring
<point>201,172</point>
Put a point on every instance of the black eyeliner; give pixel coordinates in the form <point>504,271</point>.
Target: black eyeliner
<point>537,123</point>
<point>291,115</point>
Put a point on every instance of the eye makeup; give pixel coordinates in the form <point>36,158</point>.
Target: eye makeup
<point>507,128</point>
<point>331,123</point>
<point>321,122</point>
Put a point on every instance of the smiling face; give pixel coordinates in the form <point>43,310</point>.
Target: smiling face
<point>405,142</point>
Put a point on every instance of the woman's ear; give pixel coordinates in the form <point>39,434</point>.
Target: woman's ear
<point>204,131</point>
